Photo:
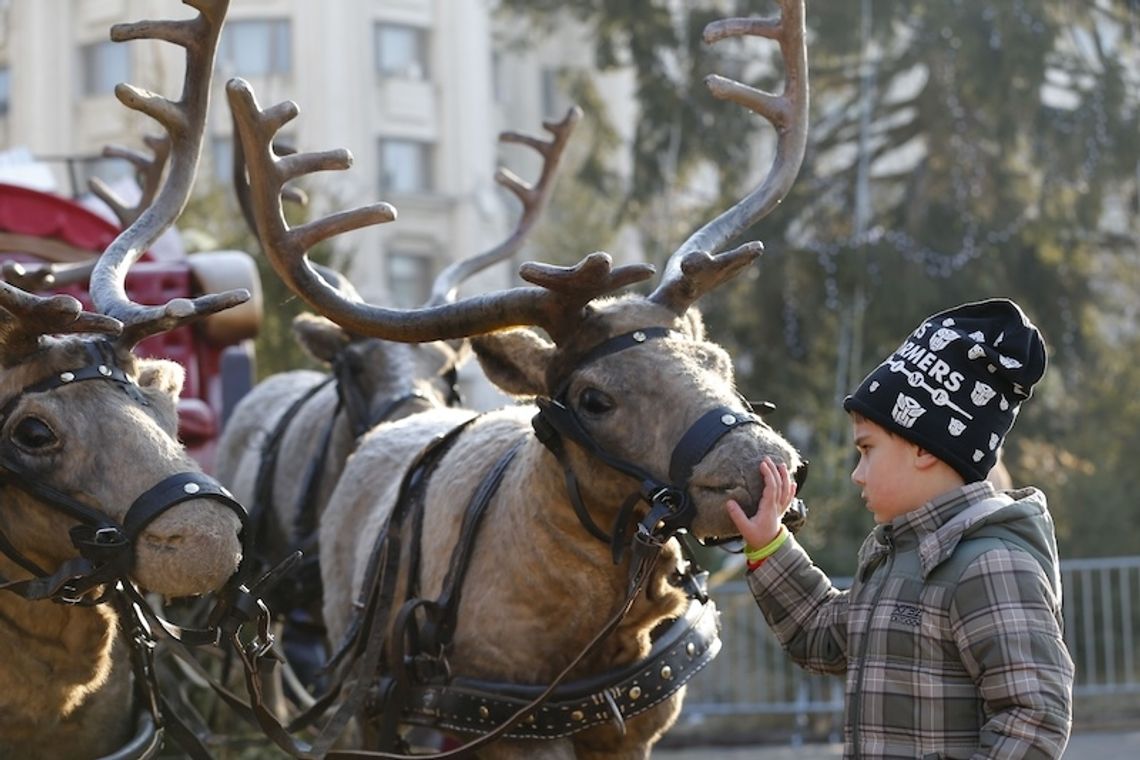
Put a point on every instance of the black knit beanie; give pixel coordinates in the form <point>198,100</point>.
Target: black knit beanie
<point>955,385</point>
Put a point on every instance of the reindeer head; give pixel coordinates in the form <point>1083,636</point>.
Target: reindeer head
<point>89,457</point>
<point>631,381</point>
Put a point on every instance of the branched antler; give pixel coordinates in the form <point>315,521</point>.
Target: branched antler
<point>693,269</point>
<point>184,122</point>
<point>287,250</point>
<point>148,170</point>
<point>25,318</point>
<point>533,198</point>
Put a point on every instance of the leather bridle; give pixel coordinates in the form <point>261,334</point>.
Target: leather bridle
<point>107,556</point>
<point>671,507</point>
<point>106,547</point>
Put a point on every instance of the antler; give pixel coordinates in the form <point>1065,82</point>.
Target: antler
<point>552,308</point>
<point>42,276</point>
<point>693,269</point>
<point>25,318</point>
<point>533,198</point>
<point>184,121</point>
<point>148,170</point>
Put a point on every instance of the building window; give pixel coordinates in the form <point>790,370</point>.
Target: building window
<point>405,166</point>
<point>5,89</point>
<point>402,51</point>
<point>105,64</point>
<point>256,48</point>
<point>409,279</point>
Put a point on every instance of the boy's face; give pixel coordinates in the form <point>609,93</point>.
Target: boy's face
<point>886,471</point>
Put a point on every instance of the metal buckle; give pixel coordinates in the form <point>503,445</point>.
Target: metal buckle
<point>107,536</point>
<point>69,594</point>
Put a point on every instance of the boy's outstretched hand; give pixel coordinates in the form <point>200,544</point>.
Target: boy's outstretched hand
<point>779,490</point>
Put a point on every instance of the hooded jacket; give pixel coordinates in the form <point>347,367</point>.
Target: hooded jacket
<point>950,635</point>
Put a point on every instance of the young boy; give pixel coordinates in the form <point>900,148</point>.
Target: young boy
<point>950,636</point>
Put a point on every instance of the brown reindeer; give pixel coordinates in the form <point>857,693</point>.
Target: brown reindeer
<point>375,380</point>
<point>512,530</point>
<point>286,443</point>
<point>96,489</point>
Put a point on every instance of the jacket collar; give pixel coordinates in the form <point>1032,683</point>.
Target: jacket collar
<point>936,527</point>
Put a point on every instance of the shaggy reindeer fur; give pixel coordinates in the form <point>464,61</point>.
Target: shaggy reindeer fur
<point>539,586</point>
<point>386,371</point>
<point>65,680</point>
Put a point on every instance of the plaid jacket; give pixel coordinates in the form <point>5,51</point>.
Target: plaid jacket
<point>950,636</point>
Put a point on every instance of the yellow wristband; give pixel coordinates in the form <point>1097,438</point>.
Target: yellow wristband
<point>764,552</point>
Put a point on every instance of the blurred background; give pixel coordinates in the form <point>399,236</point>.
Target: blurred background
<point>958,150</point>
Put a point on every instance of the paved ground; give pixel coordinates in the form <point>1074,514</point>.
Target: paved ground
<point>1124,745</point>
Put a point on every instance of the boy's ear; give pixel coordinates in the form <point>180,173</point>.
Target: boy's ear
<point>923,459</point>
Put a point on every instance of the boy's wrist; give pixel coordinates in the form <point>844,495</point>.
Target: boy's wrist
<point>755,556</point>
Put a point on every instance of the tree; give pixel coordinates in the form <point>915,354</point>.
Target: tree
<point>959,150</point>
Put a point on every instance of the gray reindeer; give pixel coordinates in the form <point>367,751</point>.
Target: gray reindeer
<point>100,501</point>
<point>522,567</point>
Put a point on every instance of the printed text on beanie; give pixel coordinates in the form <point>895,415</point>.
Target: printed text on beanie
<point>955,385</point>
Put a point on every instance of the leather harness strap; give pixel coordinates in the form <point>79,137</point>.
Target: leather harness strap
<point>475,706</point>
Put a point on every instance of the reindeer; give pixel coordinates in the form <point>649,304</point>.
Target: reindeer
<point>98,495</point>
<point>285,446</point>
<point>538,543</point>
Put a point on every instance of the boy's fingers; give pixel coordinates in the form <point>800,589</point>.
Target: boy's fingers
<point>736,514</point>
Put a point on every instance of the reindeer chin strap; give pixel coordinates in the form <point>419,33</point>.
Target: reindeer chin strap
<point>671,508</point>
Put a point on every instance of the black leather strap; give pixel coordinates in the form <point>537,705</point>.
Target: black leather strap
<point>476,706</point>
<point>699,439</point>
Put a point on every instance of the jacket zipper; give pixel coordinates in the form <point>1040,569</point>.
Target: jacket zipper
<point>856,708</point>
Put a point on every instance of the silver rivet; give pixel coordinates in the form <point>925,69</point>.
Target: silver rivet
<point>666,672</point>
<point>728,419</point>
<point>634,692</point>
<point>191,488</point>
<point>577,715</point>
<point>690,649</point>
<point>67,377</point>
<point>104,370</point>
<point>484,713</point>
<point>639,336</point>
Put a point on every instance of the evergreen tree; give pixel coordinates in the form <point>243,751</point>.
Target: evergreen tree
<point>960,149</point>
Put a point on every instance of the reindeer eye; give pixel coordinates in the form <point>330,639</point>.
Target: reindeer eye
<point>33,433</point>
<point>594,401</point>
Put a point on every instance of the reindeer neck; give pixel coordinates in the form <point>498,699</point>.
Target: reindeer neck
<point>58,655</point>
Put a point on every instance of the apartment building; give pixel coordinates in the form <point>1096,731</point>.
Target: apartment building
<point>415,89</point>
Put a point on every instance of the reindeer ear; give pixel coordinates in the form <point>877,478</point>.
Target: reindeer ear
<point>320,337</point>
<point>162,375</point>
<point>514,360</point>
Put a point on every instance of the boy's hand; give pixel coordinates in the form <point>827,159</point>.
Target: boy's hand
<point>779,490</point>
